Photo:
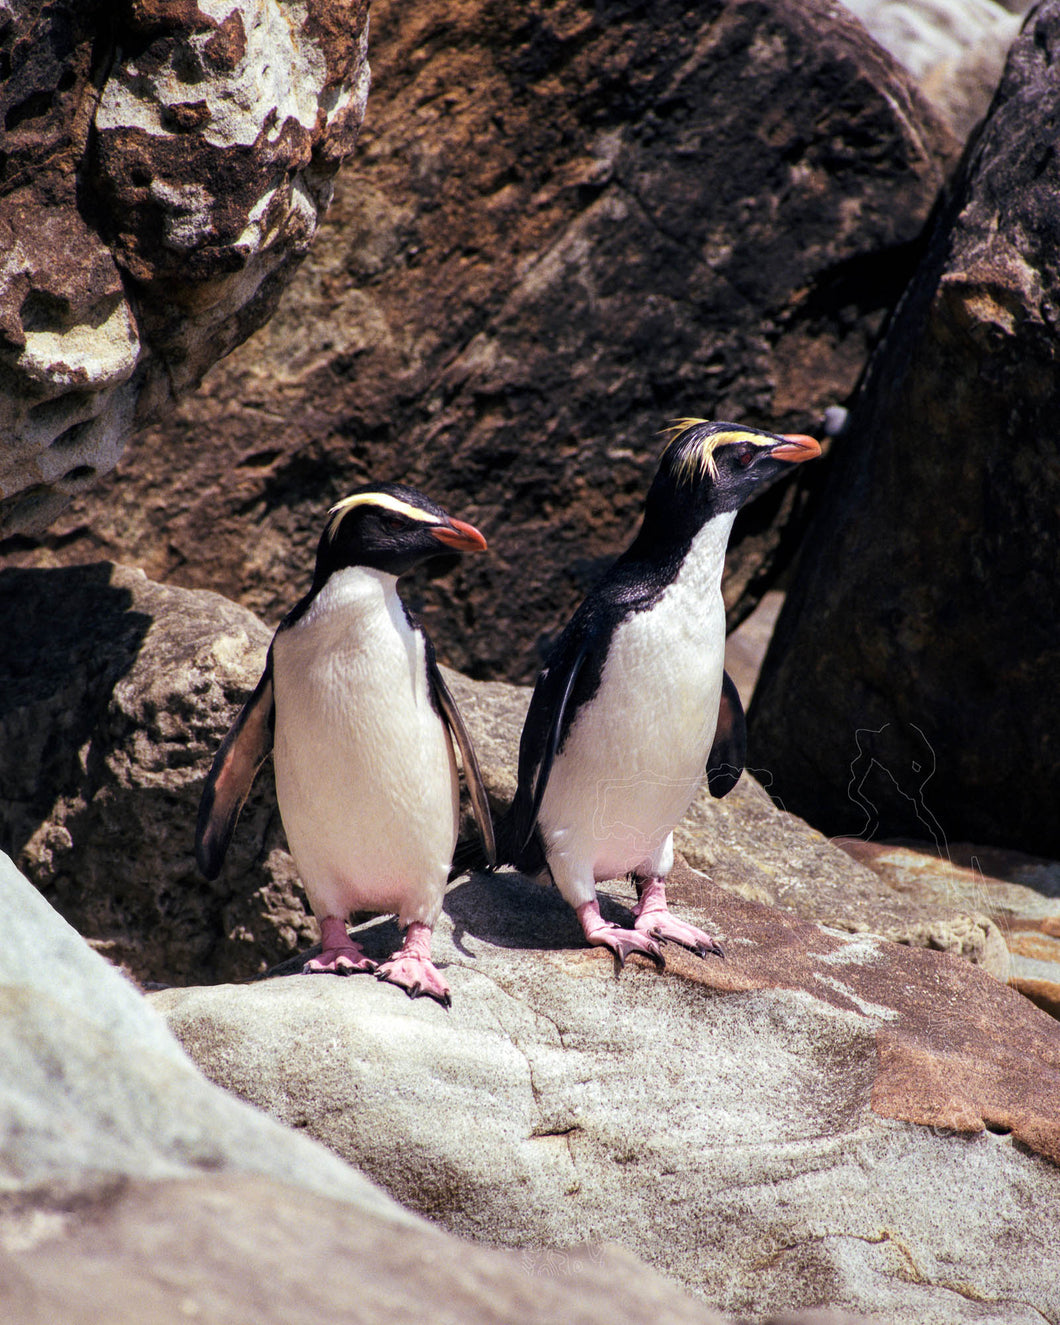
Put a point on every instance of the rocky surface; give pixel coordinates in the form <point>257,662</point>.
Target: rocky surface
<point>815,1119</point>
<point>542,255</point>
<point>1020,894</point>
<point>165,167</point>
<point>114,695</point>
<point>131,1189</point>
<point>749,846</point>
<point>94,1090</point>
<point>910,688</point>
<point>955,49</point>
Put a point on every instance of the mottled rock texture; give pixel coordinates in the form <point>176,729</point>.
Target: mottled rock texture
<point>164,169</point>
<point>132,1189</point>
<point>94,1090</point>
<point>1020,893</point>
<point>114,695</point>
<point>567,224</point>
<point>910,687</point>
<point>108,733</point>
<point>817,1119</point>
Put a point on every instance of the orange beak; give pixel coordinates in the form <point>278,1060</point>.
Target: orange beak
<point>797,447</point>
<point>459,536</point>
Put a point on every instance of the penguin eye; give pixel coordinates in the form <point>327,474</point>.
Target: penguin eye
<point>745,455</point>
<point>393,523</point>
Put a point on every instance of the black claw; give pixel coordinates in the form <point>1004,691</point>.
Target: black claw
<point>653,951</point>
<point>710,949</point>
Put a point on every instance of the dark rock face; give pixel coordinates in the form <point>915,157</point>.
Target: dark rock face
<point>567,226</point>
<point>910,689</point>
<point>107,735</point>
<point>163,172</point>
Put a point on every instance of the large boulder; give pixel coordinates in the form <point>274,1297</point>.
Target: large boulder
<point>94,1088</point>
<point>132,1189</point>
<point>565,227</point>
<point>114,695</point>
<point>910,688</point>
<point>955,49</point>
<point>817,1119</point>
<point>165,169</point>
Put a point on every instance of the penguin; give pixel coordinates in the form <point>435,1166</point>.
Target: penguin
<point>633,706</point>
<point>361,726</point>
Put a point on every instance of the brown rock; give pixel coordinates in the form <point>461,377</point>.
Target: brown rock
<point>162,175</point>
<point>910,689</point>
<point>1020,894</point>
<point>114,695</point>
<point>568,226</point>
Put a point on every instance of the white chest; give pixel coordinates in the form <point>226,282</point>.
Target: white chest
<point>365,775</point>
<point>636,753</point>
<point>351,652</point>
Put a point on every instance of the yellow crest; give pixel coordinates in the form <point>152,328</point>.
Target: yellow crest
<point>384,500</point>
<point>695,460</point>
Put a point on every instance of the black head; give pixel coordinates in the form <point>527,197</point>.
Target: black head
<point>709,469</point>
<point>391,528</point>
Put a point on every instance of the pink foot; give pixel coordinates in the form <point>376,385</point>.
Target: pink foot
<point>653,918</point>
<point>621,941</point>
<point>339,955</point>
<point>411,967</point>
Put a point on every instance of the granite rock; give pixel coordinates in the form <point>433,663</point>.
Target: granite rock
<point>132,1189</point>
<point>818,1119</point>
<point>95,1090</point>
<point>955,49</point>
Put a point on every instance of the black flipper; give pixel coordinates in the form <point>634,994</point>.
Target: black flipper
<point>242,753</point>
<point>556,732</point>
<point>728,754</point>
<point>446,706</point>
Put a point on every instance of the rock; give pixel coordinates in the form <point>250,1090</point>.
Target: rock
<point>542,256</point>
<point>240,1249</point>
<point>131,1189</point>
<point>956,51</point>
<point>114,695</point>
<point>746,645</point>
<point>798,1124</point>
<point>909,690</point>
<point>165,169</point>
<point>95,1088</point>
<point>1019,893</point>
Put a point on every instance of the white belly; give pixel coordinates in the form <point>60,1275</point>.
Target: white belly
<point>365,774</point>
<point>636,754</point>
